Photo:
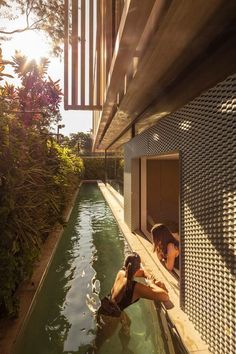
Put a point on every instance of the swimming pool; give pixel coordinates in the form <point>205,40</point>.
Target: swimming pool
<point>90,253</point>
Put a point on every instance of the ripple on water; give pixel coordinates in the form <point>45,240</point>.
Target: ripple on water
<point>83,269</point>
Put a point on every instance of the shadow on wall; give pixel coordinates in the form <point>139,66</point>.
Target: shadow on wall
<point>203,132</point>
<point>214,223</point>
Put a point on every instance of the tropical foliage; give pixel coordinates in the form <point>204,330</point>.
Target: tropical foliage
<point>94,168</point>
<point>79,143</point>
<point>37,176</point>
<point>38,97</point>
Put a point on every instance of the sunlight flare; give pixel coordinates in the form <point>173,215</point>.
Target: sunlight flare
<point>31,44</point>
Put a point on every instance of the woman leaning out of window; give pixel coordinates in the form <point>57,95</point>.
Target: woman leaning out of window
<point>165,245</point>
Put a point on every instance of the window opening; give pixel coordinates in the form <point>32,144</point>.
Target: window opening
<point>160,195</point>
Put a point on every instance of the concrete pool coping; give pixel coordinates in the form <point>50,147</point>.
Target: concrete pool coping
<point>189,336</point>
<point>10,329</point>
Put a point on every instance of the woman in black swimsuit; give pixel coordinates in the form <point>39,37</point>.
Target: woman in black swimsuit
<point>125,292</point>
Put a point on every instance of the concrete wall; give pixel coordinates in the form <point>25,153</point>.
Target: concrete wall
<point>203,132</point>
<point>163,190</point>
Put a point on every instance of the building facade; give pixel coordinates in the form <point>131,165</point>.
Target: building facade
<point>203,132</point>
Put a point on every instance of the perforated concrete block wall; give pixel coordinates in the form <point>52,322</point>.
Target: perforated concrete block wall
<point>204,131</point>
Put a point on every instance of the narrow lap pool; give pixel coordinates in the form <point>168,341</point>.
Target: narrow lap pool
<point>90,253</point>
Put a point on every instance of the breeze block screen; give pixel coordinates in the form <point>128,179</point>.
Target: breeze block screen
<point>204,132</point>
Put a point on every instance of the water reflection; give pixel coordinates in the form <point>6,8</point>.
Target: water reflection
<point>89,255</point>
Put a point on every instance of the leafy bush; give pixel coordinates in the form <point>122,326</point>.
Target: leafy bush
<point>94,168</point>
<point>37,177</point>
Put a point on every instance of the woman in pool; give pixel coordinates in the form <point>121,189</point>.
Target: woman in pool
<point>165,245</point>
<point>125,292</point>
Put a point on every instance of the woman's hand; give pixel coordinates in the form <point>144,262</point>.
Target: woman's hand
<point>161,285</point>
<point>152,281</point>
<point>158,283</point>
<point>160,255</point>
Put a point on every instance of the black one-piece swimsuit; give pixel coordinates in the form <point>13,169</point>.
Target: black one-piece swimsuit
<point>127,297</point>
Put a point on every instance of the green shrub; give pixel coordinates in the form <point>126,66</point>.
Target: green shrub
<point>37,177</point>
<point>94,168</point>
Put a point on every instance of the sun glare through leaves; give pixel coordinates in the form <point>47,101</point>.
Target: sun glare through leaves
<point>31,44</point>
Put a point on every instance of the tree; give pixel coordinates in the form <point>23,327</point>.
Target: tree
<point>2,66</point>
<point>38,97</point>
<point>37,176</point>
<point>40,15</point>
<point>80,142</point>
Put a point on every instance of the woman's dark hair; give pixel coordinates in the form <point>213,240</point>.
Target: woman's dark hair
<point>161,237</point>
<point>132,264</point>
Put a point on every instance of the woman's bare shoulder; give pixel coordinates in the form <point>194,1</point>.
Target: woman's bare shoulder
<point>120,274</point>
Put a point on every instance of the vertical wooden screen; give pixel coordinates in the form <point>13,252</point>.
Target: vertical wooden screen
<point>82,55</point>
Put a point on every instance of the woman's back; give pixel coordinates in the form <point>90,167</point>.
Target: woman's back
<point>123,293</point>
<point>119,286</point>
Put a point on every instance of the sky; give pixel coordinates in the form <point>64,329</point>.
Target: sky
<point>34,45</point>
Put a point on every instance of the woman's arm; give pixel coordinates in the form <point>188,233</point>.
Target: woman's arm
<point>150,279</point>
<point>152,292</point>
<point>119,284</point>
<point>143,273</point>
<point>140,273</point>
<point>160,256</point>
<point>172,253</point>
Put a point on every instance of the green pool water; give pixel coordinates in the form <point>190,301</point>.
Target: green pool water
<point>90,253</point>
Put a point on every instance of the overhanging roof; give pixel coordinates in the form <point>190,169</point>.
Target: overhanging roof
<point>164,60</point>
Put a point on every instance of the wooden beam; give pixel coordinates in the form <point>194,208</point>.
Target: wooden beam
<point>98,47</point>
<point>74,41</point>
<point>91,28</point>
<point>108,30</point>
<point>77,107</point>
<point>66,62</point>
<point>83,17</point>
